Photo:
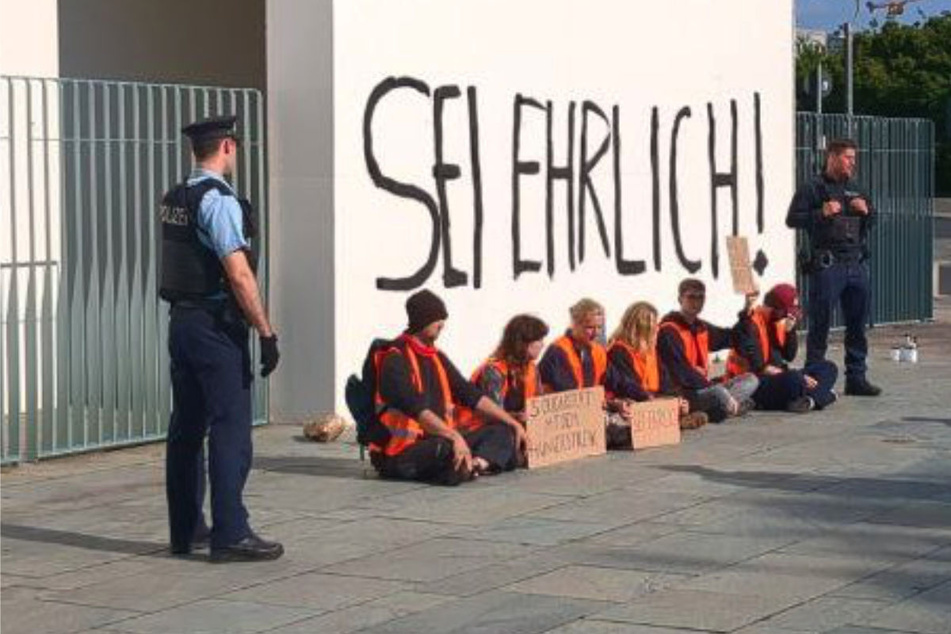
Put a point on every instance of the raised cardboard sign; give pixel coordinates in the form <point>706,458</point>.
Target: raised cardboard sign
<point>655,423</point>
<point>741,272</point>
<point>565,426</point>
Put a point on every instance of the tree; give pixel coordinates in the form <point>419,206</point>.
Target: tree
<point>900,71</point>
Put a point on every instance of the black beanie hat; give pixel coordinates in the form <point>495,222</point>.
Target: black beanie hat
<point>423,308</point>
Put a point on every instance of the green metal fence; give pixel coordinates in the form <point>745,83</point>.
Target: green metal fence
<point>896,165</point>
<point>83,165</point>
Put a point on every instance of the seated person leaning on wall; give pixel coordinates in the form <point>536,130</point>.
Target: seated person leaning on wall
<point>685,342</point>
<point>765,343</point>
<point>510,377</point>
<point>578,360</point>
<point>419,390</point>
<point>632,353</point>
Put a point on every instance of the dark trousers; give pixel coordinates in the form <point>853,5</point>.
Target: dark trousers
<point>211,394</point>
<point>777,391</point>
<point>849,285</point>
<point>430,458</point>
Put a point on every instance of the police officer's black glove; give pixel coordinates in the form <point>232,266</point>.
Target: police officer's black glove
<point>269,354</point>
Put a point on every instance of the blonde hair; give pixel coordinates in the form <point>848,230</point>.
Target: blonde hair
<point>635,327</point>
<point>584,307</point>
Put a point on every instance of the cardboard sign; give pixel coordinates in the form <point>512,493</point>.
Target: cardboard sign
<point>565,426</point>
<point>741,272</point>
<point>655,423</point>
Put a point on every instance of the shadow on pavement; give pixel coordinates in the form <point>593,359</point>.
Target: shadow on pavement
<point>322,466</point>
<point>927,419</point>
<point>81,540</point>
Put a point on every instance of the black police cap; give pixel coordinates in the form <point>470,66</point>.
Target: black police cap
<point>208,129</point>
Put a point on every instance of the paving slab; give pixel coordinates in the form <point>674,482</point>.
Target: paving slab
<point>596,626</point>
<point>696,610</point>
<point>597,584</point>
<point>773,524</point>
<point>683,552</point>
<point>364,615</point>
<point>507,612</point>
<point>317,591</point>
<point>824,614</point>
<point>25,611</point>
<point>927,613</point>
<point>435,559</point>
<point>213,616</point>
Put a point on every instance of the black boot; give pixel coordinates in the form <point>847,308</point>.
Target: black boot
<point>861,387</point>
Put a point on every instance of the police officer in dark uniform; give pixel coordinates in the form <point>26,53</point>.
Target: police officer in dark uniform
<point>837,216</point>
<point>208,276</point>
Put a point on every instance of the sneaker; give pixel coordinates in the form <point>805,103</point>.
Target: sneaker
<point>746,406</point>
<point>861,387</point>
<point>693,420</point>
<point>801,405</point>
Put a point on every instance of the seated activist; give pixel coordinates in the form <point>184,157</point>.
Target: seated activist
<point>632,352</point>
<point>578,360</point>
<point>418,391</point>
<point>684,343</point>
<point>510,377</point>
<point>765,343</point>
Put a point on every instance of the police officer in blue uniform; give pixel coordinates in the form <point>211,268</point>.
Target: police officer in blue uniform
<point>208,276</point>
<point>837,216</point>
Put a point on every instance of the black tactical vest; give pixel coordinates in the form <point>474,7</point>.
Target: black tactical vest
<point>188,269</point>
<point>844,231</point>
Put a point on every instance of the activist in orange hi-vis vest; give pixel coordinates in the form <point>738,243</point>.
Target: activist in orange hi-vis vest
<point>684,343</point>
<point>765,343</point>
<point>509,377</point>
<point>636,368</point>
<point>418,392</point>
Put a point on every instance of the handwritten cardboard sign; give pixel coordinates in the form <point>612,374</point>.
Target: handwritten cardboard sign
<point>655,423</point>
<point>565,426</point>
<point>741,271</point>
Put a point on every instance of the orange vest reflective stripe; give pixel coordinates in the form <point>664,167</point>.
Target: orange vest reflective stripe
<point>736,363</point>
<point>696,348</point>
<point>644,363</point>
<point>598,355</point>
<point>471,421</point>
<point>404,431</point>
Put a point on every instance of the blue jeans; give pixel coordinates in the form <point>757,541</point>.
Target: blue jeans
<point>777,391</point>
<point>849,285</point>
<point>714,400</point>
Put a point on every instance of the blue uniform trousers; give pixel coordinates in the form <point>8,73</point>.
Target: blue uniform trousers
<point>211,394</point>
<point>777,391</point>
<point>849,284</point>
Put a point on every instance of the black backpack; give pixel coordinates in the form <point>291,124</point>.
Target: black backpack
<point>360,394</point>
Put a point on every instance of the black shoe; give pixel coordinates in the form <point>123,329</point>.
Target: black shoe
<point>861,387</point>
<point>251,548</point>
<point>801,405</point>
<point>200,541</point>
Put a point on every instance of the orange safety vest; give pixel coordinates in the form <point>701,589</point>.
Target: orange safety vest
<point>696,348</point>
<point>471,421</point>
<point>598,355</point>
<point>736,363</point>
<point>644,363</point>
<point>404,431</point>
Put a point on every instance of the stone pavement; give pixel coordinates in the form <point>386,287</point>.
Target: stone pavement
<point>837,521</point>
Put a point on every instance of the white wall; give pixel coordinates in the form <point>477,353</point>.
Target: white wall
<point>631,58</point>
<point>29,38</point>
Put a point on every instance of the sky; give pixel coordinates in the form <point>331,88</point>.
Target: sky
<point>827,15</point>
